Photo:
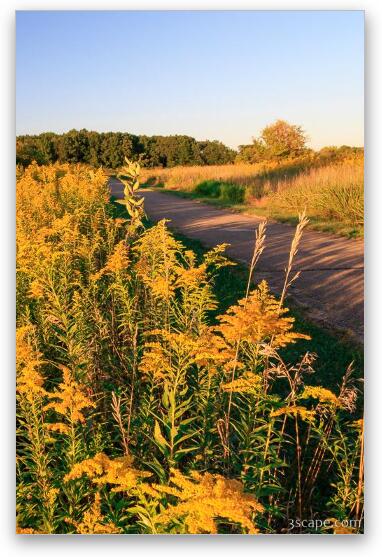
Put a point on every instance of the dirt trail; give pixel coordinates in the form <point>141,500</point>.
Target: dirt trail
<point>330,287</point>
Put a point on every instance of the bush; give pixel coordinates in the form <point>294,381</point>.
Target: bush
<point>226,192</point>
<point>231,193</point>
<point>208,188</point>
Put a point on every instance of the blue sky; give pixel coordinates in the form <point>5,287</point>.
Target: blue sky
<point>211,75</point>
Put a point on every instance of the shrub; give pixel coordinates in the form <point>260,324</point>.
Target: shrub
<point>208,188</point>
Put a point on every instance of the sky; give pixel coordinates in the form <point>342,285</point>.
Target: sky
<point>211,75</point>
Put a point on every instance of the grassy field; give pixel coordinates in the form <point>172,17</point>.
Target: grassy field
<point>158,391</point>
<point>331,194</point>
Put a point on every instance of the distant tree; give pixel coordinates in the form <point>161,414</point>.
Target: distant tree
<point>111,150</point>
<point>94,154</point>
<point>256,152</point>
<point>45,143</point>
<point>277,141</point>
<point>283,140</point>
<point>27,151</point>
<point>75,146</point>
<point>215,152</point>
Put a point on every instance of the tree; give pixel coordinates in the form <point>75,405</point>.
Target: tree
<point>215,152</point>
<point>75,146</point>
<point>283,140</point>
<point>252,153</point>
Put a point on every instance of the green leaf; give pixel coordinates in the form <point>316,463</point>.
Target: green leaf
<point>160,440</point>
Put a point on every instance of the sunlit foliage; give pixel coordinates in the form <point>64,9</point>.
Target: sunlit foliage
<point>137,412</point>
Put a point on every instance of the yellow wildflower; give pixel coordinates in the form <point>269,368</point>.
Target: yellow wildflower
<point>358,424</point>
<point>58,427</point>
<point>103,470</point>
<point>249,383</point>
<point>69,400</point>
<point>93,522</point>
<point>323,395</point>
<point>36,289</point>
<point>211,350</point>
<point>29,379</point>
<point>161,287</point>
<point>301,411</point>
<point>258,319</point>
<point>154,362</point>
<point>205,498</point>
<point>160,359</point>
<point>191,277</point>
<point>118,261</point>
<point>26,531</point>
<point>157,264</point>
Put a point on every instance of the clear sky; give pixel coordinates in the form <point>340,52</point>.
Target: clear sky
<point>211,75</point>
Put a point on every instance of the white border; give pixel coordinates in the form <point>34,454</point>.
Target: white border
<point>226,545</point>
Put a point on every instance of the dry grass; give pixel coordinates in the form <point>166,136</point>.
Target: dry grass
<point>332,193</point>
<point>186,178</point>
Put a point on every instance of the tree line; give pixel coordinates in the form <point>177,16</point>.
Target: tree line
<point>278,141</point>
<point>110,149</point>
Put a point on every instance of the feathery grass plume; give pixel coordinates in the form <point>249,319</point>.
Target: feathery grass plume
<point>117,415</point>
<point>302,223</point>
<point>258,249</point>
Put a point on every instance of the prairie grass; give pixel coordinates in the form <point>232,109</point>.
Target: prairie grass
<point>331,193</point>
<point>144,405</point>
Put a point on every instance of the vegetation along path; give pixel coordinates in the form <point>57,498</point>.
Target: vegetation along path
<point>330,286</point>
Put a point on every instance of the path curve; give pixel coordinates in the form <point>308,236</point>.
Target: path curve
<point>330,287</point>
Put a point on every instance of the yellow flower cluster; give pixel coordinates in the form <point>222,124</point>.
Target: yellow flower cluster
<point>301,411</point>
<point>358,424</point>
<point>190,277</point>
<point>323,395</point>
<point>117,262</point>
<point>157,262</point>
<point>103,470</point>
<point>69,400</point>
<point>36,289</point>
<point>258,319</point>
<point>29,379</point>
<point>249,383</point>
<point>161,357</point>
<point>205,498</point>
<point>93,522</point>
<point>27,531</point>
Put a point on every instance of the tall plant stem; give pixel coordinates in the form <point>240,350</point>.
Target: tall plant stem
<point>360,476</point>
<point>257,251</point>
